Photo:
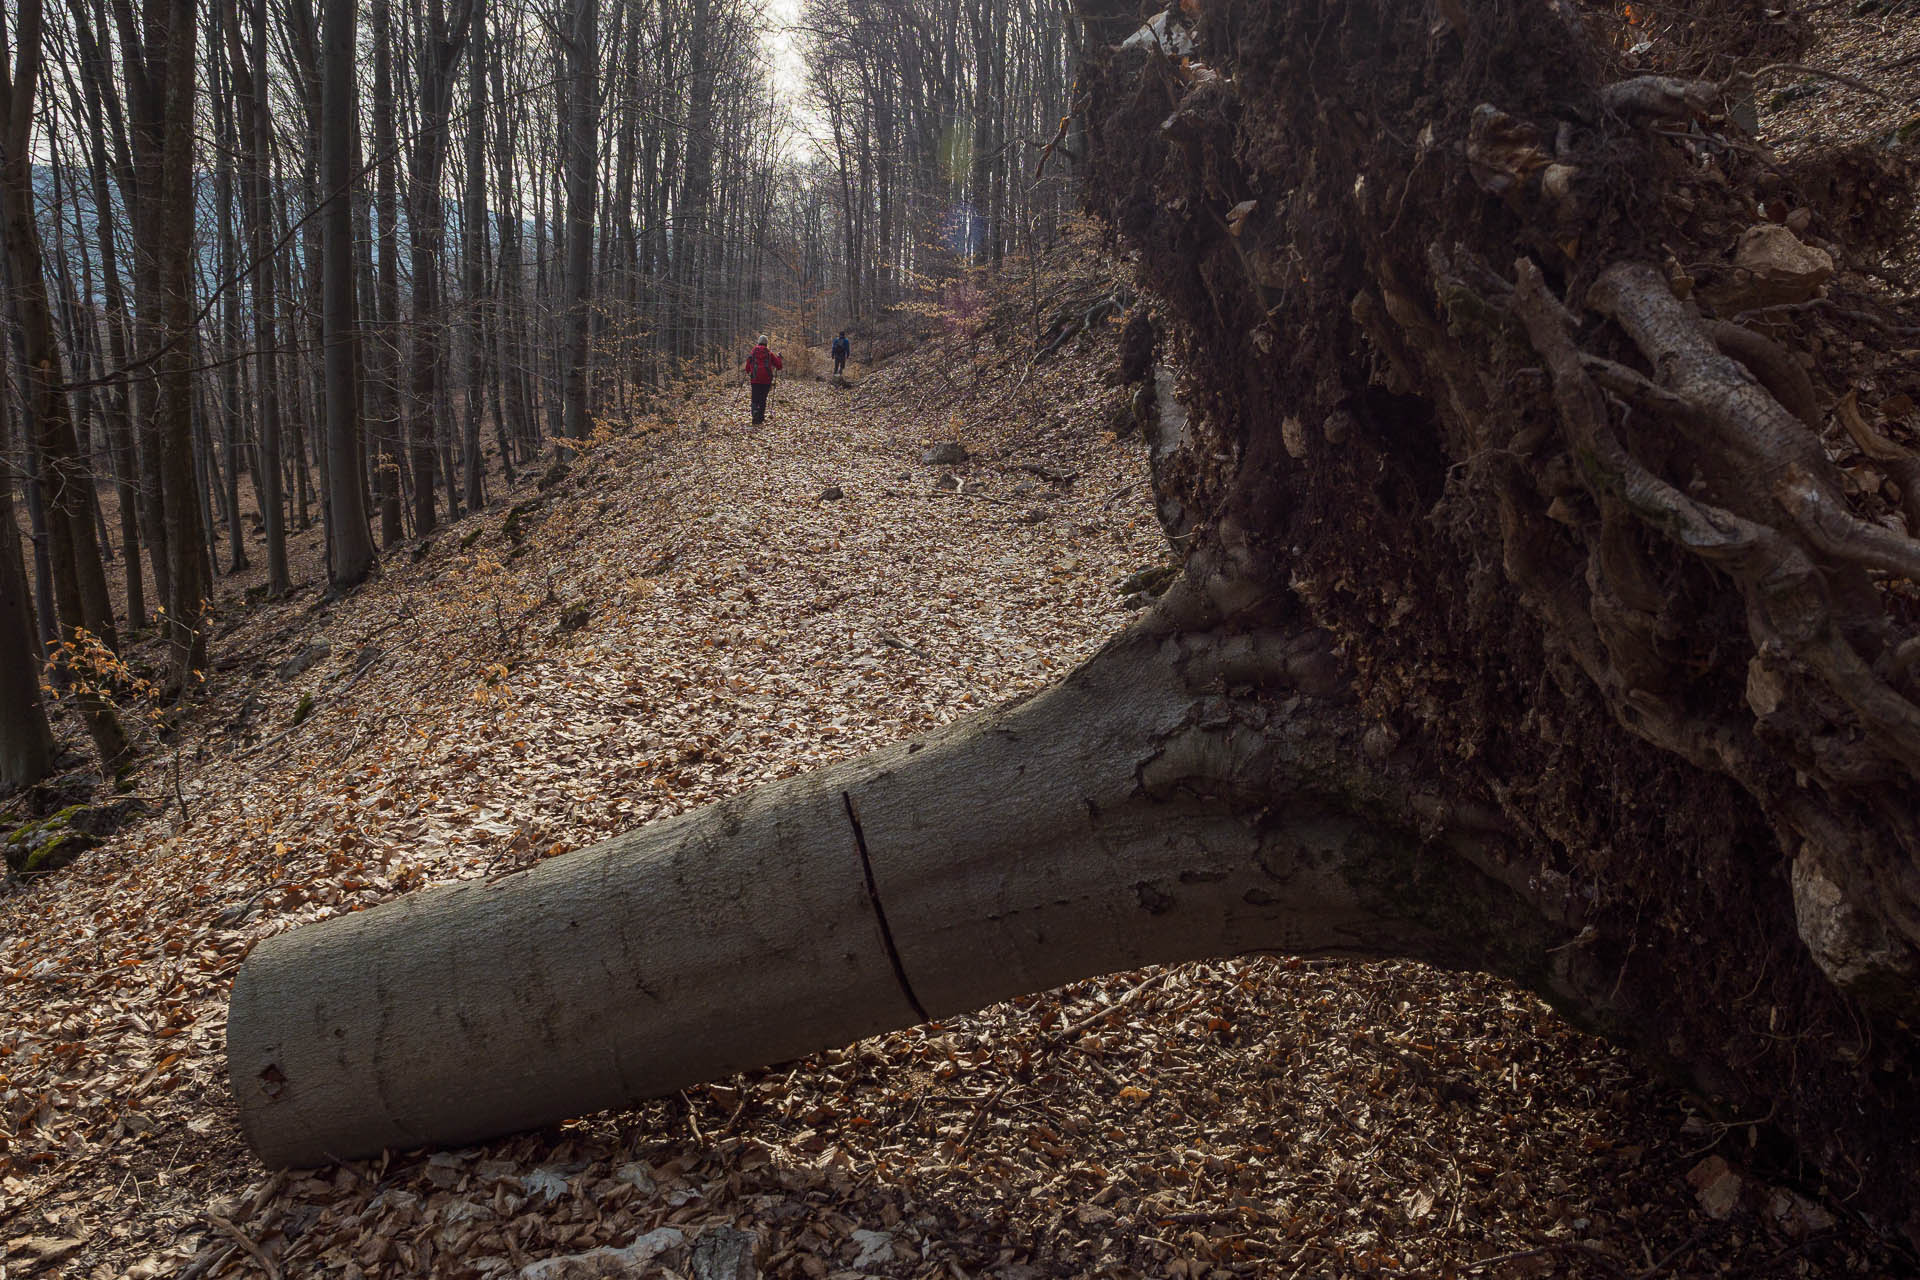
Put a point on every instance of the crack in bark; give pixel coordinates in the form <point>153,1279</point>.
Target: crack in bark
<point>880,912</point>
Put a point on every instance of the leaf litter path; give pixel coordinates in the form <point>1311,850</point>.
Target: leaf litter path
<point>681,617</point>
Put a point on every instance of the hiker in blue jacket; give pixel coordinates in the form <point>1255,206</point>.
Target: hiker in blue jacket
<point>841,350</point>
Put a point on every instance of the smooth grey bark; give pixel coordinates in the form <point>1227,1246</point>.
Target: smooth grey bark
<point>249,63</point>
<point>231,260</point>
<point>441,44</point>
<point>79,577</point>
<point>384,367</point>
<point>350,539</point>
<point>510,319</point>
<point>1137,813</point>
<point>583,130</point>
<point>118,396</point>
<point>473,273</point>
<point>73,557</point>
<point>158,46</point>
<point>26,739</point>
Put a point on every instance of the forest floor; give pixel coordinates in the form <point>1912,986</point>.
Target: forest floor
<point>681,617</point>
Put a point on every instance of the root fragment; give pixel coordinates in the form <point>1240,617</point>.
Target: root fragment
<point>1771,363</point>
<point>1786,593</point>
<point>1842,535</point>
<point>1900,464</point>
<point>1659,97</point>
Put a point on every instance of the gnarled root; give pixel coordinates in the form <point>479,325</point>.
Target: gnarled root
<point>1783,572</point>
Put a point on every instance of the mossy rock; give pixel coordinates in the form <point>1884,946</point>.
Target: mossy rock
<point>49,843</point>
<point>303,708</point>
<point>514,526</point>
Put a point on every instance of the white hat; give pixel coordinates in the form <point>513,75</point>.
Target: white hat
<point>763,339</point>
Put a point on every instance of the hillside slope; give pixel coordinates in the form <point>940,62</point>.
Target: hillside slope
<point>685,614</point>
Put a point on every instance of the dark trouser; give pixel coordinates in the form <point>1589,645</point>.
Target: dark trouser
<point>760,390</point>
<point>839,363</point>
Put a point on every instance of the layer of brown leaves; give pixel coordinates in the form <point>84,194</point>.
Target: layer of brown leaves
<point>1254,1117</point>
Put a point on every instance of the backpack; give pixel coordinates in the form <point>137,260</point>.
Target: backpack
<point>760,365</point>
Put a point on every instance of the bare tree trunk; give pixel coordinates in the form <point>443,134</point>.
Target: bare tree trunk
<point>350,540</point>
<point>1106,824</point>
<point>231,258</point>
<point>385,363</point>
<point>441,44</point>
<point>118,395</point>
<point>473,256</point>
<point>157,59</point>
<point>510,317</point>
<point>79,582</point>
<point>26,740</point>
<point>582,136</point>
<point>250,74</point>
<point>304,43</point>
<point>170,134</point>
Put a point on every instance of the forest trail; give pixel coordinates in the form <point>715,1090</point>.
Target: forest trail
<point>682,616</point>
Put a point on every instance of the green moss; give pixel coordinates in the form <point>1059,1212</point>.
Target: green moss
<point>58,852</point>
<point>303,708</point>
<point>49,842</point>
<point>514,526</point>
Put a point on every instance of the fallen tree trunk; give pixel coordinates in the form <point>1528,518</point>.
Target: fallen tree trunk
<point>1190,792</point>
<point>1527,623</point>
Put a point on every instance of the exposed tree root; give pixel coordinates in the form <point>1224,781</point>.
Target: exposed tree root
<point>1623,600</point>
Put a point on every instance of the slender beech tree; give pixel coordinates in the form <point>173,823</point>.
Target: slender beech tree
<point>118,391</point>
<point>384,357</point>
<point>247,53</point>
<point>473,260</point>
<point>350,541</point>
<point>79,581</point>
<point>26,740</point>
<point>441,42</point>
<point>157,60</point>
<point>582,133</point>
<point>79,577</point>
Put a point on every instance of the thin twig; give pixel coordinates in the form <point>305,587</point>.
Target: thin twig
<point>895,642</point>
<point>178,795</point>
<point>240,1238</point>
<point>1686,1246</point>
<point>204,1262</point>
<point>979,1112</point>
<point>1073,1030</point>
<point>1839,77</point>
<point>1564,1246</point>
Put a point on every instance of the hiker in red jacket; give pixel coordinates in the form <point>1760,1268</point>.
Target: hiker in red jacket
<point>760,367</point>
